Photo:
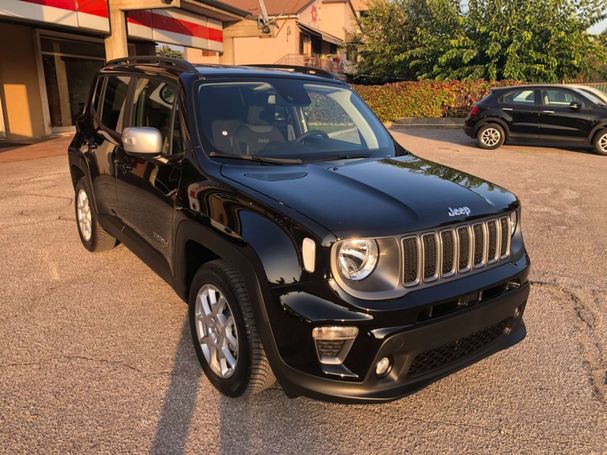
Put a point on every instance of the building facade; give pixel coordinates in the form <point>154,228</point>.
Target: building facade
<point>303,32</point>
<point>52,49</point>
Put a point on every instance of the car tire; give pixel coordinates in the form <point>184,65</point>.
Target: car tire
<point>92,235</point>
<point>224,333</point>
<point>490,136</point>
<point>600,142</point>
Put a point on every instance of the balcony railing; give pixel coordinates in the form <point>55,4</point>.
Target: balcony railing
<point>331,62</point>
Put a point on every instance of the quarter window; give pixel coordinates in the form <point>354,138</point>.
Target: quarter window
<point>114,102</point>
<point>526,96</point>
<point>153,103</point>
<point>97,95</point>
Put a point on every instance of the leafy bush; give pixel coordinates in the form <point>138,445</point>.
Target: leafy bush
<point>425,98</point>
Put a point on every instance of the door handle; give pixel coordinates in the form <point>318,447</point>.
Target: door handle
<point>507,109</point>
<point>547,112</point>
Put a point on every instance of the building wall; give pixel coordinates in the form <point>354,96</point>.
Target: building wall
<point>19,83</point>
<point>337,19</point>
<point>268,50</point>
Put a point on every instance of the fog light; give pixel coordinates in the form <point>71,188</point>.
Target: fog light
<point>333,343</point>
<point>383,367</point>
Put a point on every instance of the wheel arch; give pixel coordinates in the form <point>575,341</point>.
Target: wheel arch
<point>212,245</point>
<point>596,130</point>
<point>489,120</point>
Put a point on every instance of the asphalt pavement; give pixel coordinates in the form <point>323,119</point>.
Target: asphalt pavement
<point>95,353</point>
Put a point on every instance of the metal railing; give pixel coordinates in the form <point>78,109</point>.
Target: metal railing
<point>329,63</point>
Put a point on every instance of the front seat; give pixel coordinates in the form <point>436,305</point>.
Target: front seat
<point>258,132</point>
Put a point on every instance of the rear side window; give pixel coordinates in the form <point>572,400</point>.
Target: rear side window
<point>526,96</point>
<point>114,102</point>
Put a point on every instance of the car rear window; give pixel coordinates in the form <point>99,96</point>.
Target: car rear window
<point>523,96</point>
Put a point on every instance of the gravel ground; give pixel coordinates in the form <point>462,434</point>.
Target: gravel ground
<point>96,357</point>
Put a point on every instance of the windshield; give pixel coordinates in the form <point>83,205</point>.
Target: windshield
<point>288,118</point>
<point>594,97</point>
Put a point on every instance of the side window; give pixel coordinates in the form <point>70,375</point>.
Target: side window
<point>526,97</point>
<point>97,95</point>
<point>558,97</point>
<point>153,104</point>
<point>114,102</point>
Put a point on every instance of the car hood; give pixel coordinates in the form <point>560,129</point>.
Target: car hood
<point>376,197</point>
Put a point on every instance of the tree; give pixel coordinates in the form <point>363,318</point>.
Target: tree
<point>167,51</point>
<point>543,41</point>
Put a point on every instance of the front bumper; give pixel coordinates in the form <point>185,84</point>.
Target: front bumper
<point>420,352</point>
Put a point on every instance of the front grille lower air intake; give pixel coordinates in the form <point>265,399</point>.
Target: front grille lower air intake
<point>431,256</point>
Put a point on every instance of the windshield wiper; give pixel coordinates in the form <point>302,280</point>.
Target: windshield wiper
<point>257,159</point>
<point>346,156</point>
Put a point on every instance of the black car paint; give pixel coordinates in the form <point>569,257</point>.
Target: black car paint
<point>255,217</point>
<point>540,121</point>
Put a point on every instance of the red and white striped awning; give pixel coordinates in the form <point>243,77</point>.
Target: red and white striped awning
<point>171,26</point>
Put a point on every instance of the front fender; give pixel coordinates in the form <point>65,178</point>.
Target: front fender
<point>254,268</point>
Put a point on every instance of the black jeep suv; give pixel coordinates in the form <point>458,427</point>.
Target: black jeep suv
<point>540,112</point>
<point>312,249</point>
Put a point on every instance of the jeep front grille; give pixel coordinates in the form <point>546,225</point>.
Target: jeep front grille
<point>436,255</point>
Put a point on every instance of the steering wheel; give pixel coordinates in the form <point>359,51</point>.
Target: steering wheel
<point>317,134</point>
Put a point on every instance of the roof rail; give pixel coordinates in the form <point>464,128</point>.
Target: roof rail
<point>169,62</point>
<point>312,70</point>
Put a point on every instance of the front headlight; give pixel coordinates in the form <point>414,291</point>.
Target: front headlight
<point>513,222</point>
<point>357,258</point>
<point>367,268</point>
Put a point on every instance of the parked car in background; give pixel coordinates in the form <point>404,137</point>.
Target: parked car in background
<point>561,113</point>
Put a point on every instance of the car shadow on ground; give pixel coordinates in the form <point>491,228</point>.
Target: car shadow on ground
<point>246,425</point>
<point>180,398</point>
<point>456,136</point>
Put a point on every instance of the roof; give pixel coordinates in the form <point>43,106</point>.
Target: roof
<point>323,35</point>
<point>534,86</point>
<point>220,71</point>
<point>274,7</point>
<point>174,67</point>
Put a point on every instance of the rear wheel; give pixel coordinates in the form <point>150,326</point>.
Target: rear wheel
<point>92,235</point>
<point>224,333</point>
<point>600,142</point>
<point>490,136</point>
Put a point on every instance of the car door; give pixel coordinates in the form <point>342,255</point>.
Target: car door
<point>102,141</point>
<point>521,106</point>
<point>146,187</point>
<point>559,119</point>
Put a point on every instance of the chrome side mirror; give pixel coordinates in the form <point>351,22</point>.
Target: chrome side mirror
<point>142,141</point>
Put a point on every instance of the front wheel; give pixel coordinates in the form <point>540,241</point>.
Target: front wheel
<point>490,136</point>
<point>224,333</point>
<point>600,143</point>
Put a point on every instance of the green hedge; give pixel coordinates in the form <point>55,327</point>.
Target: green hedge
<point>425,98</point>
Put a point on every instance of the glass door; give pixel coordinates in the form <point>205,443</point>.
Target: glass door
<point>69,66</point>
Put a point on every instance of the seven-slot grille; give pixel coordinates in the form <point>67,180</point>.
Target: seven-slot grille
<point>430,256</point>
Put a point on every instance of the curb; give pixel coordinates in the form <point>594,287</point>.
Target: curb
<point>428,123</point>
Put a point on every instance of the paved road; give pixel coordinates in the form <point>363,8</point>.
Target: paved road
<point>95,355</point>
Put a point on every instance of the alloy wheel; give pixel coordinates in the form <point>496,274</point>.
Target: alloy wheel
<point>602,142</point>
<point>83,209</point>
<point>216,331</point>
<point>490,137</point>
